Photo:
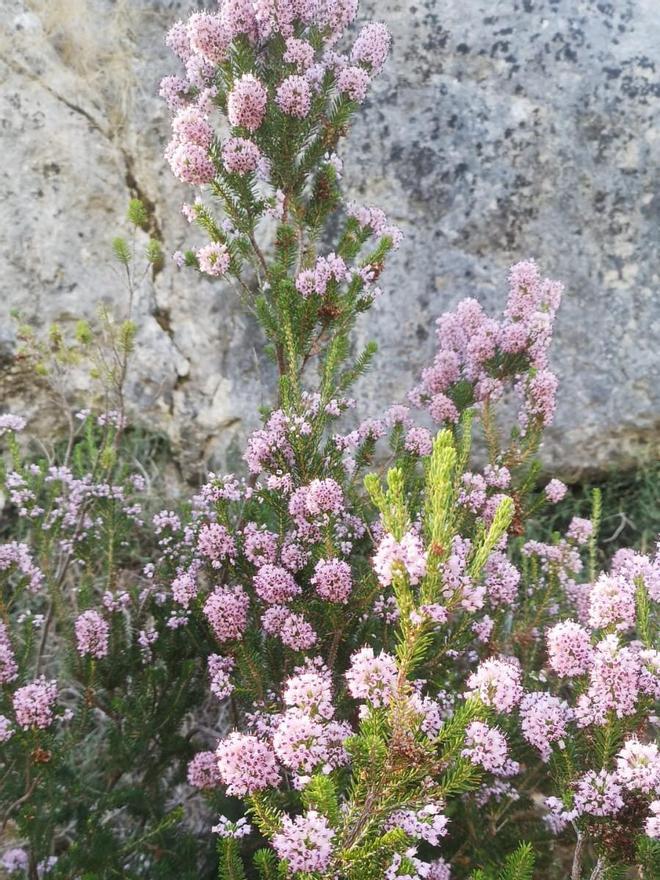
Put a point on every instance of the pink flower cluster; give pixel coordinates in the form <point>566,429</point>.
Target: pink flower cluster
<point>214,260</point>
<point>327,270</point>
<point>220,669</point>
<point>612,603</point>
<point>544,721</point>
<point>486,746</point>
<point>372,677</point>
<point>9,422</point>
<point>497,682</point>
<point>246,764</point>
<point>226,610</point>
<point>405,557</point>
<point>372,46</point>
<point>247,102</point>
<point>305,842</point>
<point>570,652</point>
<point>203,772</point>
<point>375,221</point>
<point>294,97</point>
<point>490,354</point>
<point>427,823</point>
<point>275,585</point>
<point>333,580</point>
<point>92,635</point>
<point>33,704</point>
<point>304,744</point>
<point>190,162</point>
<point>240,155</point>
<point>290,627</point>
<point>18,556</point>
<point>8,665</point>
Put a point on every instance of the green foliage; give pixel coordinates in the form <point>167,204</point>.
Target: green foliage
<point>230,862</point>
<point>137,214</point>
<point>121,250</point>
<point>517,866</point>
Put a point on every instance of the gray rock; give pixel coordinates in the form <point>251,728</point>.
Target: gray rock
<point>499,131</point>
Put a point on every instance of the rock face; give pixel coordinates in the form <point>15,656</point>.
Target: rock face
<point>498,132</point>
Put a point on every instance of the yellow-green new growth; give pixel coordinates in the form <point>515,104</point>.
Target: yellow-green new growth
<point>440,492</point>
<point>391,503</point>
<point>501,522</point>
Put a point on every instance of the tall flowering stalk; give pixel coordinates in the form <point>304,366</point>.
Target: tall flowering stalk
<point>349,661</point>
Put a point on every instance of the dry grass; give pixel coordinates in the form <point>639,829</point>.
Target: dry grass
<point>95,41</point>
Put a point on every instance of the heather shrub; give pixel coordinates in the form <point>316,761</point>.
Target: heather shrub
<point>351,660</point>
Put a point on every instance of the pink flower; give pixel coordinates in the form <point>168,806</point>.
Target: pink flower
<point>419,441</point>
<point>638,766</point>
<point>299,52</point>
<point>372,677</point>
<point>310,690</point>
<point>275,585</point>
<point>315,281</point>
<point>555,491</point>
<point>259,545</point>
<point>485,746</point>
<point>15,860</point>
<point>6,730</point>
<point>318,498</point>
<point>294,97</point>
<point>190,126</point>
<point>579,530</point>
<point>191,164</point>
<point>541,397</point>
<point>338,14</point>
<point>598,794</point>
<point>214,260</point>
<point>208,36</point>
<point>501,579</point>
<point>240,156</point>
<point>8,665</point>
<point>544,719</point>
<point>372,46</point>
<point>246,764</point>
<point>232,830</point>
<point>203,771</point>
<point>354,82</point>
<point>216,544</point>
<point>439,870</point>
<point>304,744</point>
<point>246,104</point>
<point>92,635</point>
<point>612,603</point>
<point>173,90</point>
<point>33,703</point>
<point>428,823</point>
<point>239,17</point>
<point>614,683</point>
<point>296,633</point>
<point>220,669</point>
<point>497,682</point>
<point>226,610</point>
<point>332,579</point>
<point>633,566</point>
<point>9,422</point>
<point>305,843</point>
<point>178,41</point>
<point>570,651</point>
<point>442,409</point>
<point>652,826</point>
<point>405,557</point>
<point>185,587</point>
